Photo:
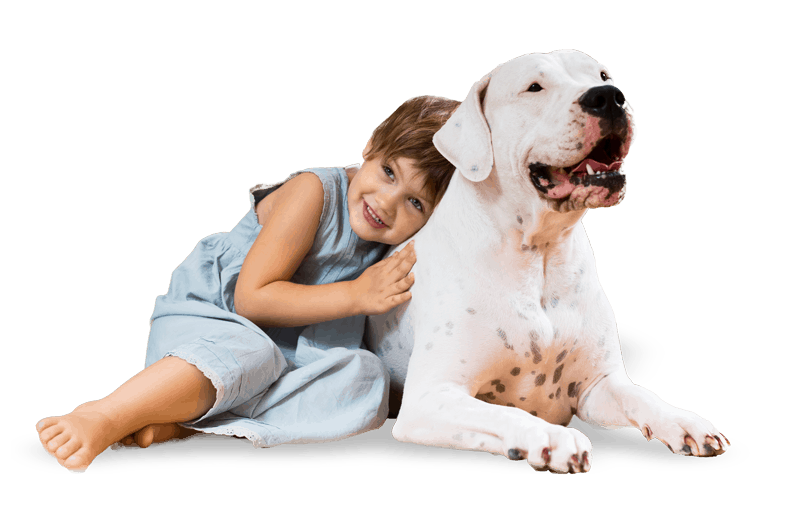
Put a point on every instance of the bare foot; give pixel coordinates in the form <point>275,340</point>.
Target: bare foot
<point>157,433</point>
<point>77,438</point>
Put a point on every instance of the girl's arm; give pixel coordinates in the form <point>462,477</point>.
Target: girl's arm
<point>263,294</point>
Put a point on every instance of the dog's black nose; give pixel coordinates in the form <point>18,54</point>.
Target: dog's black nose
<point>605,102</point>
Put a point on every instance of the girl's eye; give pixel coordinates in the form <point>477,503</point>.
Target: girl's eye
<point>416,202</point>
<point>535,87</point>
<point>603,75</point>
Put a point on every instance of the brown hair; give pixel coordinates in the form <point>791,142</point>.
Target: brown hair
<point>408,133</point>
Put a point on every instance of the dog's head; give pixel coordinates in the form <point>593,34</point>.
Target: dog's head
<point>551,124</point>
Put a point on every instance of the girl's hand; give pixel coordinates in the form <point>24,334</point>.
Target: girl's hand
<point>385,284</point>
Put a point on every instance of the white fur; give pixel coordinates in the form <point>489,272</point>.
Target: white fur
<point>483,293</point>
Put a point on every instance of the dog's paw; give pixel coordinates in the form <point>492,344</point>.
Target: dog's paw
<point>687,433</point>
<point>554,448</point>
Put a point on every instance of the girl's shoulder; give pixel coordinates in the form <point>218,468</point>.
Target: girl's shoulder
<point>305,187</point>
<point>334,181</point>
<point>331,178</point>
<point>351,171</point>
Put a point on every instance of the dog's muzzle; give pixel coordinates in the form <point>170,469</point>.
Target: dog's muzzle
<point>599,168</point>
<point>596,180</point>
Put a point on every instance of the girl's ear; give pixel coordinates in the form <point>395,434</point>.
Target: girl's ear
<point>367,149</point>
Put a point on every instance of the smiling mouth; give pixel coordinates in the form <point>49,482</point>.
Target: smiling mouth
<point>372,218</point>
<point>595,181</point>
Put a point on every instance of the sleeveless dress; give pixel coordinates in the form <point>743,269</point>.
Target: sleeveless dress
<point>280,385</point>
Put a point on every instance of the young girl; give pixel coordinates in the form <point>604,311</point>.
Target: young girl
<point>230,350</point>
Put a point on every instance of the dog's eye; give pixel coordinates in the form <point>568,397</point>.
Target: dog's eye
<point>535,87</point>
<point>604,76</point>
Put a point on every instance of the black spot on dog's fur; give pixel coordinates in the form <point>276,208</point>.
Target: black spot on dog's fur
<point>557,373</point>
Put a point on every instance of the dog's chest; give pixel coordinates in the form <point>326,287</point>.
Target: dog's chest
<point>544,382</point>
<point>545,349</point>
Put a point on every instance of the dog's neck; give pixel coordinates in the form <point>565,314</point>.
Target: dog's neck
<point>503,215</point>
<point>544,228</point>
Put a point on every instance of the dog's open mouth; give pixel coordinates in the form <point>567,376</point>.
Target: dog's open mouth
<point>595,181</point>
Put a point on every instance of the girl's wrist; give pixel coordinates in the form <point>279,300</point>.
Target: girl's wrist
<point>356,306</point>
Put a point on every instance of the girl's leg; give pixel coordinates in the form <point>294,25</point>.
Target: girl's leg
<point>170,390</point>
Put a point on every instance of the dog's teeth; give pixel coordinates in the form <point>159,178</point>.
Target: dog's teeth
<point>589,169</point>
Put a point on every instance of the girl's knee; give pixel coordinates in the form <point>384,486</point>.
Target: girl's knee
<point>372,364</point>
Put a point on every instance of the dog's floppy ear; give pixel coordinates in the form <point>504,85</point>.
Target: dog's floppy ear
<point>465,139</point>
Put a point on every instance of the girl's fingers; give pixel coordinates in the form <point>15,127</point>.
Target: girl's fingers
<point>409,279</point>
<point>400,263</point>
<point>401,298</point>
<point>397,273</point>
<point>401,266</point>
<point>409,256</point>
<point>403,284</point>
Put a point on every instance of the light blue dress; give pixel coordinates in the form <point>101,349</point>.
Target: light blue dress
<point>282,385</point>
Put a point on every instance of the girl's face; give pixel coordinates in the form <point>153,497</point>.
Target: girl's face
<point>392,191</point>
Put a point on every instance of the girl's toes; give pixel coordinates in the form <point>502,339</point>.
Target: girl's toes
<point>49,433</point>
<point>57,442</point>
<point>46,423</point>
<point>128,441</point>
<point>68,449</point>
<point>78,461</point>
<point>144,437</point>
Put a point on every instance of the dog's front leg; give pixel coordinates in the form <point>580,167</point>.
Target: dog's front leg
<point>616,401</point>
<point>446,415</point>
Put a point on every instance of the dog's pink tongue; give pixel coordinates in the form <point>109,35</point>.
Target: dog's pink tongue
<point>596,167</point>
<point>563,188</point>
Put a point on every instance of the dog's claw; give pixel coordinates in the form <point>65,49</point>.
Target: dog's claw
<point>691,446</point>
<point>574,462</point>
<point>713,442</point>
<point>585,462</point>
<point>647,432</point>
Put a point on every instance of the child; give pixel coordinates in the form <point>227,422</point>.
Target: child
<point>230,351</point>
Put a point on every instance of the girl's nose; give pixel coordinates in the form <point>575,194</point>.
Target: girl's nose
<point>387,201</point>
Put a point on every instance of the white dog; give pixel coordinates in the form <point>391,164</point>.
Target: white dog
<point>509,333</point>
